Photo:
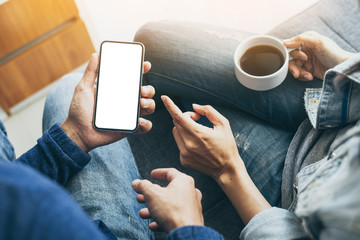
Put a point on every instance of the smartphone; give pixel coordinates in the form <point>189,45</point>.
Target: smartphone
<point>117,103</point>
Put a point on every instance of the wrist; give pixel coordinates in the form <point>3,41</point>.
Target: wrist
<point>184,223</point>
<point>73,133</point>
<point>345,55</point>
<point>235,169</point>
<point>242,192</point>
<point>348,55</point>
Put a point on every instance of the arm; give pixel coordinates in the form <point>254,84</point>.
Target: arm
<point>56,156</point>
<point>62,151</point>
<point>242,192</point>
<point>175,208</point>
<point>213,151</point>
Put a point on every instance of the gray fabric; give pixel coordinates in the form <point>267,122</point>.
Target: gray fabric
<point>337,19</point>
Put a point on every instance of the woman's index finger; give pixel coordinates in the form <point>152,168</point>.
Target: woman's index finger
<point>184,121</point>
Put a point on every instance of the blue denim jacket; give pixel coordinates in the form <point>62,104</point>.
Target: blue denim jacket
<point>322,198</point>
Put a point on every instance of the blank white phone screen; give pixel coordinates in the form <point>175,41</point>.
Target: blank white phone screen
<point>118,86</point>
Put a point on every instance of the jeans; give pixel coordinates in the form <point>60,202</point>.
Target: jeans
<point>193,63</point>
<point>6,149</point>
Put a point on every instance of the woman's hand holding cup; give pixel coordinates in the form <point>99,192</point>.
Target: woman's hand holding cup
<point>314,54</point>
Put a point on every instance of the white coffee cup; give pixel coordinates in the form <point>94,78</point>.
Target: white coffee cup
<point>261,83</point>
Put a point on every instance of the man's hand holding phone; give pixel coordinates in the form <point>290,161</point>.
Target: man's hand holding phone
<point>79,123</point>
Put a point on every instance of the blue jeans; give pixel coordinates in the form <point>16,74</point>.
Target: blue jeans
<point>103,188</point>
<point>6,149</point>
<point>193,63</point>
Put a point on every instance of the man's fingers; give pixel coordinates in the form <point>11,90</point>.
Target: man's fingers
<point>144,126</point>
<point>147,106</point>
<point>178,117</point>
<point>208,111</point>
<point>142,186</point>
<point>165,174</point>
<point>144,213</point>
<point>153,226</point>
<point>91,70</point>
<point>147,66</point>
<point>140,198</point>
<point>147,91</point>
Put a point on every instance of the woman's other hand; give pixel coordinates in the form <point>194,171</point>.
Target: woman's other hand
<point>314,54</point>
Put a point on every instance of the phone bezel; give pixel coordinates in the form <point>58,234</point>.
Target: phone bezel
<point>140,84</point>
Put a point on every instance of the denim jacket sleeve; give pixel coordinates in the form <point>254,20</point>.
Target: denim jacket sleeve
<point>273,223</point>
<point>335,104</point>
<point>194,233</point>
<point>56,156</point>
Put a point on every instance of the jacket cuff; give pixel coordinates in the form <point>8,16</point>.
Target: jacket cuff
<point>71,149</point>
<point>194,233</point>
<point>329,107</point>
<point>273,223</point>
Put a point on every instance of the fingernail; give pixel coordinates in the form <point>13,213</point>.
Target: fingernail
<point>196,105</point>
<point>146,90</point>
<point>145,103</point>
<point>286,41</point>
<point>135,182</point>
<point>307,77</point>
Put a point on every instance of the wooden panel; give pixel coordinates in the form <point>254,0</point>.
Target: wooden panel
<point>22,21</point>
<point>42,64</point>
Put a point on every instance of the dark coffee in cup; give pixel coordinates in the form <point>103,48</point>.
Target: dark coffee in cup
<point>261,60</point>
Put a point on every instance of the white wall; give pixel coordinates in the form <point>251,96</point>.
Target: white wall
<point>119,19</point>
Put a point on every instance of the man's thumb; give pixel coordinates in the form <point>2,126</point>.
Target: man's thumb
<point>91,70</point>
